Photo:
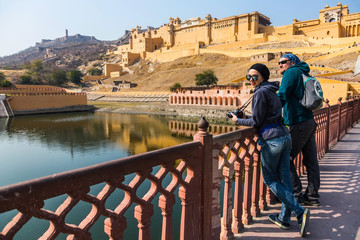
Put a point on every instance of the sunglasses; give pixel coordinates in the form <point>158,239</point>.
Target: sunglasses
<point>254,77</point>
<point>283,61</point>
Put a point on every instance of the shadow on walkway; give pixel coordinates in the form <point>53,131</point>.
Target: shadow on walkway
<point>338,217</point>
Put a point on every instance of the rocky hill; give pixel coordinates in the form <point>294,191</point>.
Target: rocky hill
<point>153,76</point>
<point>71,51</point>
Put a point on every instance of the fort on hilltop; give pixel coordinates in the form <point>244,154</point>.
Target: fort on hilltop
<point>185,38</point>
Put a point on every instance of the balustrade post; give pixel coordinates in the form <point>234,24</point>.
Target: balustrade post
<point>262,194</point>
<point>247,218</point>
<point>210,212</point>
<point>189,225</point>
<point>227,208</point>
<point>356,110</point>
<point>270,196</point>
<point>255,210</point>
<point>115,227</point>
<point>143,216</point>
<point>327,131</point>
<point>237,224</point>
<point>166,204</point>
<point>346,115</point>
<point>339,124</point>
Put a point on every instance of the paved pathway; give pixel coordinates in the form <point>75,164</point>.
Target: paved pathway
<point>338,217</point>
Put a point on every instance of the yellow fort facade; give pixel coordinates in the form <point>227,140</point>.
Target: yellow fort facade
<point>243,30</point>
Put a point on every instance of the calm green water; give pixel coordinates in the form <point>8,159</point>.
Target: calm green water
<point>36,146</point>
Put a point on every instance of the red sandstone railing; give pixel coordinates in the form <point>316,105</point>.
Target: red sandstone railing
<point>209,169</point>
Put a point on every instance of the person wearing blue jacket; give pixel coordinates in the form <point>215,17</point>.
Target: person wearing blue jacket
<point>275,143</point>
<point>302,128</point>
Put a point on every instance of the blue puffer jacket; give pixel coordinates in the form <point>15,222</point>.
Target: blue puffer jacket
<point>266,111</point>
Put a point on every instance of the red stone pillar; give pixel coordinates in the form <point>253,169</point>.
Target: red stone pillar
<point>210,215</point>
<point>339,124</point>
<point>238,197</point>
<point>327,131</point>
<point>262,194</point>
<point>226,232</point>
<point>247,191</point>
<point>166,204</point>
<point>143,216</point>
<point>255,210</point>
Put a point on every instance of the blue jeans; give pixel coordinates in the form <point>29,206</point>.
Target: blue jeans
<point>275,167</point>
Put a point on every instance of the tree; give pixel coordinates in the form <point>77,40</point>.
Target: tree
<point>37,66</point>
<point>2,76</point>
<point>95,72</point>
<point>177,85</point>
<point>75,76</point>
<point>206,78</point>
<point>58,77</point>
<point>25,79</point>
<point>33,67</point>
<point>5,83</point>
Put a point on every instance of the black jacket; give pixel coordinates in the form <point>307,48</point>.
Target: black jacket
<point>266,111</point>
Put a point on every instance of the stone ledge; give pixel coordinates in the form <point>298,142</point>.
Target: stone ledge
<point>77,108</point>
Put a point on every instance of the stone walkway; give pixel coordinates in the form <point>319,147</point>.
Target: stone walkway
<point>338,217</point>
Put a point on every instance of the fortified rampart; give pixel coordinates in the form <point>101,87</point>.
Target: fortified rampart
<point>33,89</point>
<point>232,96</point>
<point>45,100</point>
<point>233,35</point>
<point>29,99</point>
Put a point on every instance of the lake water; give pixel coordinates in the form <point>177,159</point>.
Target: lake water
<point>41,145</point>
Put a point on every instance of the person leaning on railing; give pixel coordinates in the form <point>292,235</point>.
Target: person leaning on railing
<point>275,143</point>
<point>302,127</point>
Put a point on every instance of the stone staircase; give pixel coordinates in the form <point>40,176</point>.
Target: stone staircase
<point>5,109</point>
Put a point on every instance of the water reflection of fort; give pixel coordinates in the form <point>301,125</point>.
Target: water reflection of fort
<point>189,129</point>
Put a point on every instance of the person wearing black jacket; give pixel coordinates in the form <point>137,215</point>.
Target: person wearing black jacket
<point>275,143</point>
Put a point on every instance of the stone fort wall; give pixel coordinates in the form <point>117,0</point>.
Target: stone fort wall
<point>240,31</point>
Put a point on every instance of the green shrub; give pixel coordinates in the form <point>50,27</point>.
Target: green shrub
<point>95,72</point>
<point>206,78</point>
<point>5,83</point>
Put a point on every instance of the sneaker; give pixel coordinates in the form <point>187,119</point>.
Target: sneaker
<point>274,219</point>
<point>300,200</point>
<point>304,223</point>
<point>314,202</point>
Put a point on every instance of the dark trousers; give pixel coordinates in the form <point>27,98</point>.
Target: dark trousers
<point>303,140</point>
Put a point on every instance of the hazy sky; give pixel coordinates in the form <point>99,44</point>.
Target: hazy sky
<point>25,22</point>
